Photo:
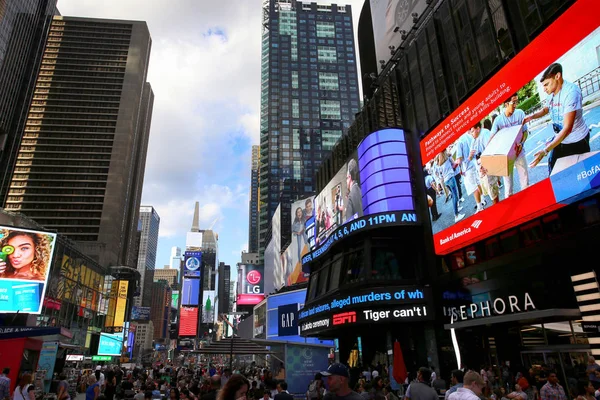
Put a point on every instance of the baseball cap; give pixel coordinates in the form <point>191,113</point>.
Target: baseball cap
<point>98,368</point>
<point>336,369</point>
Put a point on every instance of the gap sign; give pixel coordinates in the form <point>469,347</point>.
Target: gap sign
<point>287,324</point>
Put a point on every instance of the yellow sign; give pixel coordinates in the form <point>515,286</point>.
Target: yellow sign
<point>121,303</point>
<point>117,305</point>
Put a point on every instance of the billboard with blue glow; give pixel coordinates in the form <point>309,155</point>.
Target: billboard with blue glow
<point>372,189</point>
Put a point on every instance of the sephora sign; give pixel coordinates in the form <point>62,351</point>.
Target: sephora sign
<point>499,306</point>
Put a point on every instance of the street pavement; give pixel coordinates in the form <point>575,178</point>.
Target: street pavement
<point>535,142</point>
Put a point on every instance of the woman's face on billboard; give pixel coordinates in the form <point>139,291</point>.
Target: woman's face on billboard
<point>24,251</point>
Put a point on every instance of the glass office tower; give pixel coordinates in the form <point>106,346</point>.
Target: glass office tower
<point>309,95</point>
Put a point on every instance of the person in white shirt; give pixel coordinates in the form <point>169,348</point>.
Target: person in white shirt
<point>489,184</point>
<point>473,384</point>
<point>512,116</point>
<point>564,103</point>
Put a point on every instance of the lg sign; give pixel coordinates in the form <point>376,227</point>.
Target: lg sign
<point>253,278</point>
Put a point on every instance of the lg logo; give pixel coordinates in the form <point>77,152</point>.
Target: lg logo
<point>253,277</point>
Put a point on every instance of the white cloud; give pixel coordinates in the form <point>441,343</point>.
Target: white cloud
<point>205,73</point>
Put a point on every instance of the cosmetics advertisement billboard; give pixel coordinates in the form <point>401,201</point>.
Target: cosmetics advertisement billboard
<point>524,144</point>
<point>25,261</point>
<point>373,189</point>
<point>303,215</point>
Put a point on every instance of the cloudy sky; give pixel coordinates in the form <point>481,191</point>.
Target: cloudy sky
<point>205,72</point>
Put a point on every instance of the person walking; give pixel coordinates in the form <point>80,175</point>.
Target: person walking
<point>552,390</point>
<point>5,384</point>
<point>421,389</point>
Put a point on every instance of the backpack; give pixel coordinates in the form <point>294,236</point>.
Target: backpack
<point>313,391</point>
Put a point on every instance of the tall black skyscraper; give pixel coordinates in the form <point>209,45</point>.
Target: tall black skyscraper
<point>253,203</point>
<point>309,96</point>
<point>24,26</point>
<point>80,165</point>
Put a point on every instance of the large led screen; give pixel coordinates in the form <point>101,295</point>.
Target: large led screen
<point>110,344</point>
<point>372,189</point>
<point>188,321</point>
<point>190,295</point>
<point>25,261</point>
<point>290,263</point>
<point>192,263</point>
<point>525,143</point>
<point>118,303</point>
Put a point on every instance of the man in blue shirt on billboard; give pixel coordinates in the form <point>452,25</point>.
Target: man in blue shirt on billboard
<point>564,103</point>
<point>512,116</point>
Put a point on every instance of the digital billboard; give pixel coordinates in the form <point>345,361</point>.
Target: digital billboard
<point>251,284</point>
<point>303,215</point>
<point>368,306</point>
<point>392,18</point>
<point>25,261</point>
<point>188,321</point>
<point>139,313</point>
<point>111,344</point>
<point>117,305</point>
<point>192,265</point>
<point>190,292</point>
<point>373,189</point>
<point>525,143</point>
<point>273,253</point>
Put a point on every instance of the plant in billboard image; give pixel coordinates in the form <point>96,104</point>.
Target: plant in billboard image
<point>24,254</point>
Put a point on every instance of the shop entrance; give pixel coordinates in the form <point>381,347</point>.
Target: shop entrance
<point>569,363</point>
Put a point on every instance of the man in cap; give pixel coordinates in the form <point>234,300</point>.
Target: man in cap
<point>337,379</point>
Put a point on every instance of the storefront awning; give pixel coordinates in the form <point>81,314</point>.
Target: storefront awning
<point>552,314</point>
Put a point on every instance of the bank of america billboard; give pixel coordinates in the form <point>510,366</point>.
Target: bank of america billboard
<point>524,144</point>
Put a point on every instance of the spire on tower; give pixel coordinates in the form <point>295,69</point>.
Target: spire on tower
<point>196,220</point>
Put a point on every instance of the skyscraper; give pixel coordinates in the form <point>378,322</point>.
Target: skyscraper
<point>224,288</point>
<point>80,166</point>
<point>309,96</point>
<point>24,26</point>
<point>146,262</point>
<point>254,207</point>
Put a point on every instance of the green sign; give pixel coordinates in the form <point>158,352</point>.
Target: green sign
<point>101,358</point>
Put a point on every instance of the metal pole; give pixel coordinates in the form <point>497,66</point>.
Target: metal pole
<point>231,354</point>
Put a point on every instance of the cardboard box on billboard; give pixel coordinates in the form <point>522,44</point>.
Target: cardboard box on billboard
<point>499,156</point>
<point>566,162</point>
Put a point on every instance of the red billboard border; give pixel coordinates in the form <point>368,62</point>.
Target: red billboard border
<point>532,60</point>
<point>579,21</point>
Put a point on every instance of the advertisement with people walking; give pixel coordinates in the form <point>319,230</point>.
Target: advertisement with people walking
<point>525,143</point>
<point>25,261</point>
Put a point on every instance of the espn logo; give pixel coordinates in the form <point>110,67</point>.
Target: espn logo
<point>344,318</point>
<point>477,224</point>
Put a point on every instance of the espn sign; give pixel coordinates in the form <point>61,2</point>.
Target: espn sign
<point>344,318</point>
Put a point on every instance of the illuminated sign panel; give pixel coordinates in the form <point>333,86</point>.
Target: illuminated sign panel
<point>188,321</point>
<point>192,263</point>
<point>373,189</point>
<point>541,168</point>
<point>25,262</point>
<point>401,303</point>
